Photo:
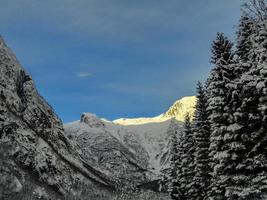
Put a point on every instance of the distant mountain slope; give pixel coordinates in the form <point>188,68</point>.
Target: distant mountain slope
<point>138,147</point>
<point>104,151</point>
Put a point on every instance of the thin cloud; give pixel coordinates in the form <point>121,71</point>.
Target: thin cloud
<point>83,75</point>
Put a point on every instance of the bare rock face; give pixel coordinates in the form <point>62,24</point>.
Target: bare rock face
<point>34,149</point>
<point>91,120</point>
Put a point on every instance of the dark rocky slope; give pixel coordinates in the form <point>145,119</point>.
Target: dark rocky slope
<point>35,154</point>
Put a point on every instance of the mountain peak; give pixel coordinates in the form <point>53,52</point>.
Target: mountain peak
<point>91,120</point>
<point>178,111</point>
<point>181,108</point>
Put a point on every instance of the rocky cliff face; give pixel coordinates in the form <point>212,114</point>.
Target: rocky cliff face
<point>36,155</point>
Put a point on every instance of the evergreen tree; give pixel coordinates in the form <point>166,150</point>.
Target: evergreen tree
<point>231,119</point>
<point>174,162</point>
<point>221,50</point>
<point>247,133</point>
<point>246,30</point>
<point>185,172</point>
<point>246,56</point>
<point>233,131</point>
<point>219,97</point>
<point>250,174</point>
<point>201,129</point>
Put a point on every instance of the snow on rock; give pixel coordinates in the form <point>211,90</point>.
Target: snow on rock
<point>181,108</point>
<point>178,110</point>
<point>140,120</point>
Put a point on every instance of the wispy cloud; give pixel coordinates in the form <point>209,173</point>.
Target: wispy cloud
<point>83,75</point>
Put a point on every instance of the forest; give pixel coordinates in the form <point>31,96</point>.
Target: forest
<point>223,151</point>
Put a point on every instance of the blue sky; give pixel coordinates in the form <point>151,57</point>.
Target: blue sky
<point>115,58</point>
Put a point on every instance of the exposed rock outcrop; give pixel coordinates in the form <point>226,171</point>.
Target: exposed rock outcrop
<point>32,139</point>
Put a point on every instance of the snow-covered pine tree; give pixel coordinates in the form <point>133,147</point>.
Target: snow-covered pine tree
<point>221,50</point>
<point>185,171</point>
<point>245,30</point>
<point>218,98</point>
<point>201,131</point>
<point>247,132</point>
<point>245,57</point>
<point>250,174</point>
<point>174,162</point>
<point>233,135</point>
<point>245,36</point>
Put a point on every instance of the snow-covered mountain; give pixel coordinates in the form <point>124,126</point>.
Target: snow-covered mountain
<point>38,159</point>
<point>138,148</point>
<point>178,111</point>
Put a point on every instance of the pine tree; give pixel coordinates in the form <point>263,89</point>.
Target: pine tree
<point>185,172</point>
<point>250,174</point>
<point>174,162</point>
<point>246,137</point>
<point>244,41</point>
<point>233,138</point>
<point>246,56</point>
<point>201,129</point>
<point>221,50</point>
<point>219,97</point>
<point>237,109</point>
